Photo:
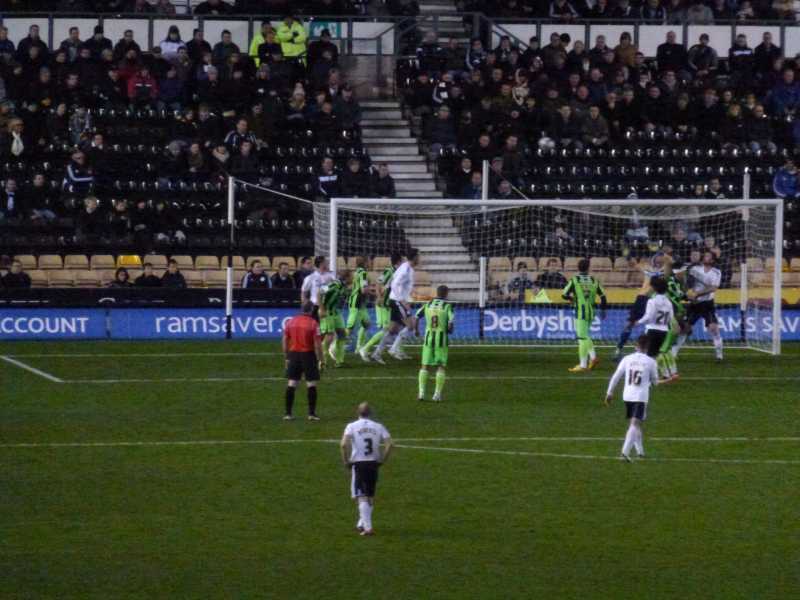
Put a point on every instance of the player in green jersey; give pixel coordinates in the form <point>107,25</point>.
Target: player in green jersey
<point>581,290</point>
<point>357,315</point>
<point>439,323</point>
<point>676,292</point>
<point>331,322</point>
<point>382,313</point>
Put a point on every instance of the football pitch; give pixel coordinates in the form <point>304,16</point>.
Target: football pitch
<point>164,470</point>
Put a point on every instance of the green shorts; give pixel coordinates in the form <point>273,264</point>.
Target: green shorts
<point>382,316</point>
<point>669,341</point>
<point>356,316</point>
<point>331,323</point>
<point>434,356</point>
<point>582,327</point>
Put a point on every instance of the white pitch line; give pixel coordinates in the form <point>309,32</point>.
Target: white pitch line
<point>600,439</point>
<point>34,370</point>
<point>738,461</point>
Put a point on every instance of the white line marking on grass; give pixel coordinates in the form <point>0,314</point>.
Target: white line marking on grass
<point>738,461</point>
<point>34,370</point>
<point>599,439</point>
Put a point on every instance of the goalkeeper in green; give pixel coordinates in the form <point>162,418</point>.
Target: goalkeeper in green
<point>439,323</point>
<point>581,291</point>
<point>676,292</point>
<point>331,321</point>
<point>357,315</point>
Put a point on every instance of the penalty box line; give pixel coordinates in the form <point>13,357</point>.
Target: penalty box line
<point>30,369</point>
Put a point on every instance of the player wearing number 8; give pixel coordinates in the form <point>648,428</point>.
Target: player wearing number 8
<point>640,372</point>
<point>439,323</point>
<point>581,290</point>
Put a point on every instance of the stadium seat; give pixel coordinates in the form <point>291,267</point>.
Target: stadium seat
<point>159,261</point>
<point>341,263</point>
<point>61,278</point>
<point>38,278</point>
<point>499,263</point>
<point>423,293</point>
<point>185,263</point>
<point>50,262</point>
<point>76,261</point>
<point>530,261</point>
<point>193,279</point>
<point>263,259</point>
<point>791,279</point>
<point>422,278</point>
<point>129,260</point>
<point>276,260</point>
<point>206,263</point>
<point>216,279</point>
<point>106,276</point>
<point>88,279</point>
<point>795,264</point>
<point>238,262</point>
<point>101,261</point>
<point>601,263</point>
<point>769,264</point>
<point>613,278</point>
<point>571,263</point>
<point>379,263</point>
<point>28,261</point>
<point>543,260</point>
<point>622,263</point>
<point>134,273</point>
<point>755,264</point>
<point>238,275</point>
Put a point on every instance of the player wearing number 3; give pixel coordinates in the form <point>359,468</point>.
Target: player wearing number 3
<point>640,372</point>
<point>439,323</point>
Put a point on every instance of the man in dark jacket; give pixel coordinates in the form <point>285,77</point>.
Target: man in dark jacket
<point>173,278</point>
<point>16,278</point>
<point>383,183</point>
<point>281,279</point>
<point>355,182</point>
<point>256,278</point>
<point>305,269</point>
<point>317,47</point>
<point>147,279</point>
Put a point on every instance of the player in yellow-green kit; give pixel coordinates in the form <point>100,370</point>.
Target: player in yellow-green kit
<point>357,315</point>
<point>582,290</point>
<point>439,323</point>
<point>382,312</point>
<point>331,321</point>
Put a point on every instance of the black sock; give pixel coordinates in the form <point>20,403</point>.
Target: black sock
<point>623,337</point>
<point>289,399</point>
<point>312,400</point>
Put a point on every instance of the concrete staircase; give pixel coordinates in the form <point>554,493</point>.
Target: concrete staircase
<point>450,22</point>
<point>387,138</point>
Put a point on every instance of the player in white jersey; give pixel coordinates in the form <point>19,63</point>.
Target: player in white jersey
<point>320,277</point>
<point>640,372</point>
<point>401,319</point>
<point>365,446</point>
<point>704,279</point>
<point>658,316</point>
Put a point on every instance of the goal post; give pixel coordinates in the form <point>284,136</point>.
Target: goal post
<point>505,260</point>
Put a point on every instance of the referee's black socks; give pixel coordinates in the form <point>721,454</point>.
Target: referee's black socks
<point>289,399</point>
<point>312,400</point>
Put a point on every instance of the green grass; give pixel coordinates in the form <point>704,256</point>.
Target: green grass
<point>275,520</point>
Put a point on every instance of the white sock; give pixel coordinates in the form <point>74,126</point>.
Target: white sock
<point>637,442</point>
<point>365,510</point>
<point>360,520</point>
<point>630,435</point>
<point>592,354</point>
<point>584,363</point>
<point>405,331</point>
<point>717,345</point>
<point>678,345</point>
<point>389,337</point>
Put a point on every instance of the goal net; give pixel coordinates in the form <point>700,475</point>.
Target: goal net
<point>506,262</point>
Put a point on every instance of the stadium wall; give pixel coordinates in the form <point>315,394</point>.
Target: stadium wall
<point>516,324</point>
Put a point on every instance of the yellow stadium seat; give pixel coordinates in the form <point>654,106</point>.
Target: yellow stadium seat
<point>341,263</point>
<point>193,279</point>
<point>769,264</point>
<point>216,279</point>
<point>238,262</point>
<point>129,260</point>
<point>101,261</point>
<point>106,276</point>
<point>238,275</point>
<point>28,261</point>
<point>791,279</point>
<point>62,278</point>
<point>795,264</point>
<point>423,293</point>
<point>50,261</point>
<point>499,263</point>
<point>613,278</point>
<point>76,261</point>
<point>206,263</point>
<point>38,278</point>
<point>87,279</point>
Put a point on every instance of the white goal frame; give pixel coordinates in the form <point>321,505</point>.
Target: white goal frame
<point>337,204</point>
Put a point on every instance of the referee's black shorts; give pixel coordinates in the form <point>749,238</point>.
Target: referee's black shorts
<point>705,310</point>
<point>364,481</point>
<point>300,364</point>
<point>398,312</point>
<point>655,339</point>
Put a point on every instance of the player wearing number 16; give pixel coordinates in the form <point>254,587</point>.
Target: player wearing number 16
<point>581,290</point>
<point>439,323</point>
<point>640,372</point>
<point>365,446</point>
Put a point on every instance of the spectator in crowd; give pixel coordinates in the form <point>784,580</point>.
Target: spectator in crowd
<point>213,7</point>
<point>72,44</point>
<point>292,36</point>
<point>147,278</point>
<point>355,182</point>
<point>165,7</point>
<point>304,269</point>
<point>40,200</point>
<point>785,95</point>
<point>171,44</point>
<point>702,59</point>
<point>672,56</point>
<point>197,46</point>
<point>327,184</point>
<point>173,278</point>
<point>121,279</point>
<point>595,128</point>
<point>98,43</point>
<point>551,277</point>
<point>442,132</point>
<point>125,44</point>
<point>474,189</point>
<point>256,278</point>
<point>519,283</point>
<point>282,279</point>
<point>259,39</point>
<point>699,13</point>
<point>765,55</point>
<point>16,278</point>
<point>10,205</point>
<point>347,109</point>
<point>224,49</point>
<point>383,183</point>
<point>786,182</point>
<point>79,176</point>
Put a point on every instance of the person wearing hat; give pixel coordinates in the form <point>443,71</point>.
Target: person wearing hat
<point>258,39</point>
<point>318,47</point>
<point>172,43</point>
<point>292,36</point>
<point>97,43</point>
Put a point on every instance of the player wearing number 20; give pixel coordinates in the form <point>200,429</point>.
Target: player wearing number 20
<point>439,323</point>
<point>640,372</point>
<point>365,446</point>
<point>658,318</point>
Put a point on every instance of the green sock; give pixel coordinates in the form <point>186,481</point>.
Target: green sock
<point>325,345</point>
<point>440,377</point>
<point>339,349</point>
<point>423,381</point>
<point>362,336</point>
<point>583,352</point>
<point>663,369</point>
<point>373,341</point>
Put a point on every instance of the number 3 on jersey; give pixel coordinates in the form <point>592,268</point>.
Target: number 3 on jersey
<point>368,443</point>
